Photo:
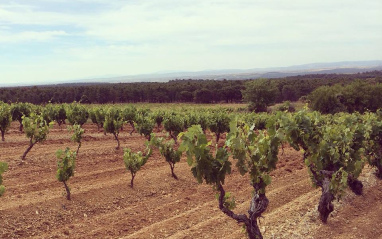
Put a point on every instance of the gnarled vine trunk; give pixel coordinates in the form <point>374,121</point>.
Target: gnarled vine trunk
<point>172,166</point>
<point>259,204</point>
<point>325,206</point>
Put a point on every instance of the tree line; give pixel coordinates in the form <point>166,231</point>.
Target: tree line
<point>187,90</point>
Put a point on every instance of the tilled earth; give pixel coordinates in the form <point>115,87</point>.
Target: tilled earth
<point>103,204</point>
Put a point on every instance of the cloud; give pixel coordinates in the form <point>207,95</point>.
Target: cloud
<point>90,37</point>
<point>28,36</point>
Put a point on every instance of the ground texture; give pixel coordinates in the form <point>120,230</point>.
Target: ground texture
<point>104,206</point>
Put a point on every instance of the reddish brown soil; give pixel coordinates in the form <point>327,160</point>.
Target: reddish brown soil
<point>104,206</point>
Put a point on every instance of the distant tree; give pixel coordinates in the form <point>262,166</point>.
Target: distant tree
<point>84,100</point>
<point>326,99</point>
<point>260,94</point>
<point>203,96</point>
<point>289,93</point>
<point>186,96</point>
<point>361,96</point>
<point>230,94</point>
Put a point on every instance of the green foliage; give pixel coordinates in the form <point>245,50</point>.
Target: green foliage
<point>174,124</point>
<point>168,151</point>
<point>134,161</point>
<point>60,114</point>
<point>3,168</point>
<point>339,182</point>
<point>92,115</point>
<point>256,152</point>
<point>145,124</point>
<point>219,123</point>
<point>65,164</point>
<point>190,118</point>
<point>65,167</point>
<point>19,110</point>
<point>113,123</point>
<point>302,129</point>
<point>77,134</point>
<point>326,100</point>
<point>258,120</point>
<point>77,114</point>
<point>340,149</point>
<point>203,96</point>
<point>229,200</point>
<point>212,169</point>
<point>333,149</point>
<point>145,112</point>
<point>359,96</point>
<point>260,94</point>
<point>100,114</point>
<point>203,119</point>
<point>286,106</point>
<point>158,117</point>
<point>36,130</point>
<point>49,112</point>
<point>5,118</point>
<point>373,143</point>
<point>204,165</point>
<point>129,115</point>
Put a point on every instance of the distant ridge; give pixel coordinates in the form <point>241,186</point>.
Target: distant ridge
<point>344,67</point>
<point>350,67</point>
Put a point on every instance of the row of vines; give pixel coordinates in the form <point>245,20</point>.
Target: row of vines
<point>335,148</point>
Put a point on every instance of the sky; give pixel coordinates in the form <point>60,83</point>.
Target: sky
<point>48,41</point>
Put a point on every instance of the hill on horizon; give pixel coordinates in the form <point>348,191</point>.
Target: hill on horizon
<point>344,67</point>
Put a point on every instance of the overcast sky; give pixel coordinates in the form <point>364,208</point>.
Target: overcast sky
<point>55,40</point>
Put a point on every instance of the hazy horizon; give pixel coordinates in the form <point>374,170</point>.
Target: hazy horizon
<point>50,41</point>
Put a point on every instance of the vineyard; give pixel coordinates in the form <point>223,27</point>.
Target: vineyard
<point>104,171</point>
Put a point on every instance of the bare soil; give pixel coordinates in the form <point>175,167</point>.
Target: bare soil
<point>103,204</point>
